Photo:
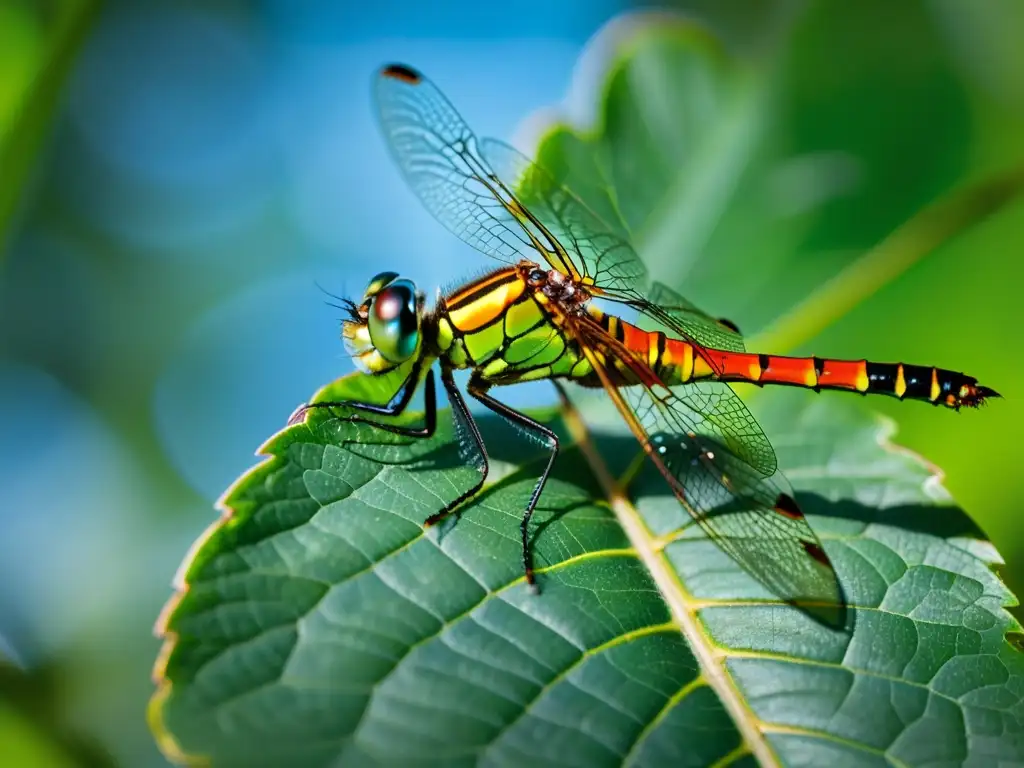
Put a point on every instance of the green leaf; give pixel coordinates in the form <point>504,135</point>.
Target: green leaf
<point>38,43</point>
<point>318,620</point>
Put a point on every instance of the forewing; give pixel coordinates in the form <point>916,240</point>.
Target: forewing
<point>439,157</point>
<point>498,201</point>
<point>600,255</point>
<point>752,518</point>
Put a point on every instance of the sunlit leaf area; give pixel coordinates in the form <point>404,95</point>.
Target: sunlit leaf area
<point>187,189</point>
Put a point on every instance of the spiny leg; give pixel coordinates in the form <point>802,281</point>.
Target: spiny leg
<point>394,407</point>
<point>471,445</point>
<point>537,432</point>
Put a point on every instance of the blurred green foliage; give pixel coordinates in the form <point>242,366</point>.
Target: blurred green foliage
<point>34,731</point>
<point>38,42</point>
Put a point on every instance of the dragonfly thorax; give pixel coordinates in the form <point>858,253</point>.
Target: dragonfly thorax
<point>559,288</point>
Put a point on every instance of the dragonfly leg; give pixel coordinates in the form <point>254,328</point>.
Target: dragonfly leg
<point>470,442</point>
<point>536,432</point>
<point>397,405</point>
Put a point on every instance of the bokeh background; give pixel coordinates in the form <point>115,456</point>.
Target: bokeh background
<point>176,180</point>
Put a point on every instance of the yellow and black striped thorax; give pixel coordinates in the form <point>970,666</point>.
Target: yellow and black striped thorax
<point>504,328</point>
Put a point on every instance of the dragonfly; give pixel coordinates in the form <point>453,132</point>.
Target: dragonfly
<point>535,317</point>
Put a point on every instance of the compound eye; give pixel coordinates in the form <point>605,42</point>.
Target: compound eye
<point>378,283</point>
<point>537,276</point>
<point>393,321</point>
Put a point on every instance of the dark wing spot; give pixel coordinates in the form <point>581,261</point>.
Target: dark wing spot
<point>403,73</point>
<point>729,324</point>
<point>786,505</point>
<point>816,552</point>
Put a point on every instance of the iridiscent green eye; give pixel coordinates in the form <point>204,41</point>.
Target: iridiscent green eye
<point>393,322</point>
<point>378,282</point>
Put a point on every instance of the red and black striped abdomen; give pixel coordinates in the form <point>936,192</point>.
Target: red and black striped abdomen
<point>906,382</point>
<point>677,362</point>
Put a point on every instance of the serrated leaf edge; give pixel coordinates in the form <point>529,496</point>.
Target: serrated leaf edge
<point>934,487</point>
<point>166,742</point>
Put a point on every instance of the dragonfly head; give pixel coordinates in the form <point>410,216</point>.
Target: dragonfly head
<point>383,331</point>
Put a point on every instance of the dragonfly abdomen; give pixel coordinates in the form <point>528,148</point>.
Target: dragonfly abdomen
<point>675,361</point>
<point>670,360</point>
<point>906,382</point>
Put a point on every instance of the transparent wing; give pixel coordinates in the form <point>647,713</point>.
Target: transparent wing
<point>498,201</point>
<point>599,255</point>
<point>717,411</point>
<point>722,413</point>
<point>603,257</point>
<point>439,158</point>
<point>714,409</point>
<point>683,317</point>
<point>752,518</point>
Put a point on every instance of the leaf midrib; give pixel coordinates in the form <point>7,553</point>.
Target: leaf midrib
<point>681,604</point>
